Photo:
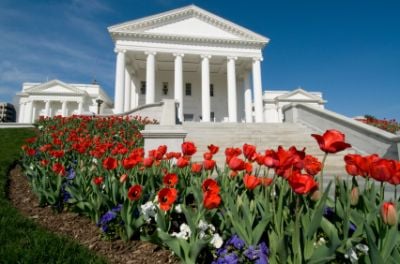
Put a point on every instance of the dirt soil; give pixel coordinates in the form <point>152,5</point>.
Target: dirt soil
<point>82,229</point>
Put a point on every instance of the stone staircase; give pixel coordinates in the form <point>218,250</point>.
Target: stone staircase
<point>264,136</point>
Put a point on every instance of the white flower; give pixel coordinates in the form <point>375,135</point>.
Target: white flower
<point>40,127</point>
<point>148,210</point>
<point>31,166</point>
<point>178,208</point>
<point>211,227</point>
<point>203,225</point>
<point>216,240</point>
<point>363,248</point>
<point>352,255</point>
<point>184,233</point>
<point>94,160</point>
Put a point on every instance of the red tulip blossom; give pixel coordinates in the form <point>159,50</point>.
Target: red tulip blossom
<point>98,180</point>
<point>251,181</point>
<point>332,141</point>
<point>266,181</point>
<point>249,151</point>
<point>354,164</point>
<point>58,169</point>
<point>44,162</point>
<point>312,165</point>
<point>166,197</point>
<point>110,163</point>
<point>135,192</point>
<point>213,149</point>
<point>207,155</point>
<point>271,159</point>
<point>302,183</point>
<point>289,160</point>
<point>129,163</point>
<point>236,164</point>
<point>197,167</point>
<point>209,164</point>
<point>232,152</point>
<point>382,170</point>
<point>170,179</point>
<point>182,162</point>
<point>188,148</point>
<point>389,213</point>
<point>148,162</point>
<point>210,185</point>
<point>395,179</point>
<point>211,200</point>
<point>123,178</point>
<point>57,153</point>
<point>171,155</point>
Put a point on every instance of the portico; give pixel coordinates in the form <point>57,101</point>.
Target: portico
<point>209,65</point>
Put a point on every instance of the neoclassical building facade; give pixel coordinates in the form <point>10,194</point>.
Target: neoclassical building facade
<point>55,98</point>
<point>210,66</point>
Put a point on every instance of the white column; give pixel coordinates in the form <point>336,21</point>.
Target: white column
<point>257,88</point>
<point>232,100</point>
<point>21,112</point>
<point>134,92</point>
<point>63,108</point>
<point>205,88</point>
<point>80,107</point>
<point>178,83</point>
<point>119,82</point>
<point>247,99</point>
<point>47,108</point>
<point>28,116</point>
<point>127,102</point>
<point>150,77</point>
<point>33,111</point>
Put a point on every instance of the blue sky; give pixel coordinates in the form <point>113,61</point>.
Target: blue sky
<point>349,50</point>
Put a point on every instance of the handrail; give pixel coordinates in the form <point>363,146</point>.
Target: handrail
<point>141,107</point>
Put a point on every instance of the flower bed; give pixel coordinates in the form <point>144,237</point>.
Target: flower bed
<point>391,125</point>
<point>260,207</point>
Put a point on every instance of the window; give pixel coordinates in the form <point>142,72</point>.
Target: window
<point>211,89</point>
<point>143,87</point>
<point>165,88</point>
<point>188,117</point>
<point>188,89</point>
<point>212,115</point>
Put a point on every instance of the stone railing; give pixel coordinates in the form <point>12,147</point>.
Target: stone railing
<point>364,138</point>
<point>16,125</point>
<point>164,112</point>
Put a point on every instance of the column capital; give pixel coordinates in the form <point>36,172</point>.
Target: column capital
<point>205,56</point>
<point>150,53</point>
<point>177,54</point>
<point>116,50</point>
<point>258,59</point>
<point>232,58</point>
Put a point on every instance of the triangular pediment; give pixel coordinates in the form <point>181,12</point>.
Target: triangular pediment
<point>191,22</point>
<point>54,87</point>
<point>299,95</point>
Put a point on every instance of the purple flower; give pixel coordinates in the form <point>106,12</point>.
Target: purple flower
<point>107,217</point>
<point>251,253</point>
<point>228,259</point>
<point>71,174</point>
<point>236,241</point>
<point>117,208</point>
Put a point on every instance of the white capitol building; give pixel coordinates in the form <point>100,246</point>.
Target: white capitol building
<point>210,66</point>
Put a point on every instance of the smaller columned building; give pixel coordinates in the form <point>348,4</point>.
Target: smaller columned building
<point>210,66</point>
<point>56,98</point>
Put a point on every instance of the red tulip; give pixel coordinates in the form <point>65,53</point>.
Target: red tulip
<point>213,149</point>
<point>207,155</point>
<point>166,197</point>
<point>302,183</point>
<point>135,192</point>
<point>129,163</point>
<point>236,164</point>
<point>266,181</point>
<point>182,162</point>
<point>110,163</point>
<point>271,159</point>
<point>98,180</point>
<point>59,169</point>
<point>209,164</point>
<point>170,179</point>
<point>249,151</point>
<point>332,141</point>
<point>389,213</point>
<point>188,148</point>
<point>382,170</point>
<point>148,162</point>
<point>312,165</point>
<point>123,178</point>
<point>251,181</point>
<point>210,185</point>
<point>211,200</point>
<point>196,167</point>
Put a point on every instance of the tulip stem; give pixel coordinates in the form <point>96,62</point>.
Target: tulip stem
<point>395,193</point>
<point>382,191</point>
<point>321,179</point>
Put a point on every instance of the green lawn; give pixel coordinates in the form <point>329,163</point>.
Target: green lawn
<point>21,240</point>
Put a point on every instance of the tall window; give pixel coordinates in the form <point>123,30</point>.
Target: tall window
<point>211,89</point>
<point>143,87</point>
<point>188,89</point>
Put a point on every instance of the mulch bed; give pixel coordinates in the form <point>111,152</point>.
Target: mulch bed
<point>81,229</point>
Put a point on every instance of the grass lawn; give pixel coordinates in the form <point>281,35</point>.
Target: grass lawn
<point>21,240</point>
